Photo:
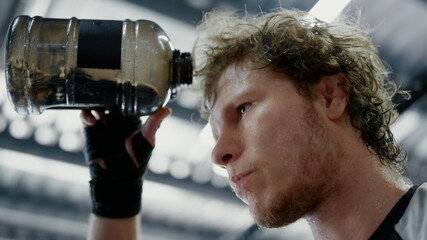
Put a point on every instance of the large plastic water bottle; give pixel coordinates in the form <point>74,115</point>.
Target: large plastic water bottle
<point>128,66</point>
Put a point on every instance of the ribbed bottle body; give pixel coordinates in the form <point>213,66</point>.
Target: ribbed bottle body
<point>91,64</point>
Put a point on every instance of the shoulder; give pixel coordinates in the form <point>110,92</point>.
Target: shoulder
<point>413,224</point>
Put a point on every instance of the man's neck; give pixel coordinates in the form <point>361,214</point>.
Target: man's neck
<point>361,200</point>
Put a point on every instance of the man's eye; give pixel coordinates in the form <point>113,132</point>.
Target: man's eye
<point>244,108</point>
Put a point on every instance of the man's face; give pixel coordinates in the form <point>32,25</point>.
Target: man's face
<point>278,153</point>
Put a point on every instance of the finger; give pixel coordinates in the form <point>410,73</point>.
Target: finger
<point>100,161</point>
<point>100,115</point>
<point>87,118</point>
<point>150,127</point>
<point>90,117</point>
<point>135,143</point>
<point>135,148</point>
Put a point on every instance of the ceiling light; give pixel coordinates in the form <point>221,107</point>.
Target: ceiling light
<point>9,113</point>
<point>159,163</point>
<point>47,118</point>
<point>43,166</point>
<point>180,169</point>
<point>20,129</point>
<point>327,10</point>
<point>176,137</point>
<point>188,99</point>
<point>68,121</point>
<point>46,135</point>
<point>202,174</point>
<point>71,142</point>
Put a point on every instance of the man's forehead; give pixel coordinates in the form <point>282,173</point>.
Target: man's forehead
<point>236,72</point>
<point>231,83</point>
<point>231,78</point>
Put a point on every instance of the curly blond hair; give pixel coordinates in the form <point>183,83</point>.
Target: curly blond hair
<point>304,48</point>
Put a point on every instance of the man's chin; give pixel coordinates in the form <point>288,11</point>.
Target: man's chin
<point>273,221</point>
<point>274,215</point>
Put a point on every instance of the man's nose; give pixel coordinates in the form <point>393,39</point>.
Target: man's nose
<point>227,149</point>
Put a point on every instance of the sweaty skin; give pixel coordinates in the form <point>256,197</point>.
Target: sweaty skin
<point>273,144</point>
<point>289,157</point>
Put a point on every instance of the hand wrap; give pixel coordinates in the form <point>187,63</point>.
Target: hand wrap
<point>116,191</point>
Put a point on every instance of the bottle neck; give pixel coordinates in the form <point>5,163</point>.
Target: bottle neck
<point>182,70</point>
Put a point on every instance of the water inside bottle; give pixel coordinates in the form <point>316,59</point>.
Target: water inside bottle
<point>36,90</point>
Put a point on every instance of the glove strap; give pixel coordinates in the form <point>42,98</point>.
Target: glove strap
<point>116,199</point>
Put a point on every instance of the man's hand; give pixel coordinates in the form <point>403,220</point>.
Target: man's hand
<point>117,152</point>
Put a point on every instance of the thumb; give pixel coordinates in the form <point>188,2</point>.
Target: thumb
<point>153,122</point>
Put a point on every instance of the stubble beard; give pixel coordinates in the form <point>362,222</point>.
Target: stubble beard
<point>311,186</point>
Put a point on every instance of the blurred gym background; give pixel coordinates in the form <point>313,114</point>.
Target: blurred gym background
<point>43,178</point>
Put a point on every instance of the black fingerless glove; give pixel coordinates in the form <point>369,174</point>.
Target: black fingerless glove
<point>116,191</point>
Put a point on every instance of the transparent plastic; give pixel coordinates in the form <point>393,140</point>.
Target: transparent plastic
<point>87,64</point>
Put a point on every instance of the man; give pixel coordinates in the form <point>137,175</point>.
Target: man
<point>300,111</point>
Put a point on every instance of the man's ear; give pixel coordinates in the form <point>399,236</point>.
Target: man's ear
<point>332,90</point>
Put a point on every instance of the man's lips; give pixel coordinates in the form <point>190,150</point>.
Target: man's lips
<point>239,179</point>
